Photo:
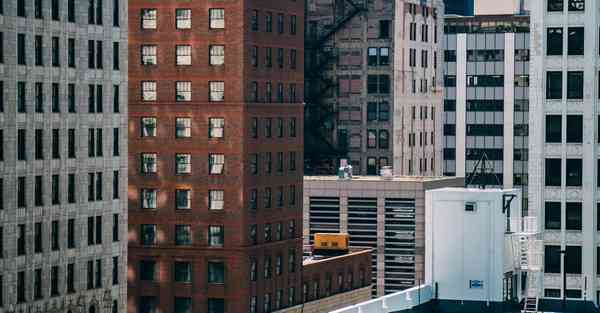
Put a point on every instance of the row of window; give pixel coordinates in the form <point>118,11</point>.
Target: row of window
<point>268,26</point>
<point>422,166</point>
<point>574,128</point>
<point>95,143</point>
<point>96,99</point>
<point>94,235</point>
<point>183,198</point>
<point>95,189</point>
<point>572,5</point>
<point>95,52</point>
<point>280,57</point>
<point>183,18</point>
<point>573,172</point>
<point>554,85</point>
<point>267,95</point>
<point>412,139</point>
<point>412,32</point>
<point>412,58</point>
<point>423,85</point>
<point>63,279</point>
<point>149,304</point>
<point>95,10</point>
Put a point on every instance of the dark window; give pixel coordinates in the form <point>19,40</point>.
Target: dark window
<point>216,272</point>
<point>574,172</point>
<point>553,172</point>
<point>573,260</point>
<point>71,278</point>
<point>574,85</point>
<point>576,5</point>
<point>116,99</point>
<point>384,29</point>
<point>555,5</point>
<point>39,52</point>
<point>115,184</point>
<point>183,305</point>
<point>55,52</point>
<point>37,284</point>
<point>71,11</point>
<point>116,15</point>
<point>98,229</point>
<point>115,270</point>
<point>574,128</point>
<point>115,228</point>
<point>55,189</point>
<point>21,50</point>
<point>21,192</point>
<point>21,287</point>
<point>21,8</point>
<point>71,98</point>
<point>573,211</point>
<point>21,97</point>
<point>182,272</point>
<point>147,270</point>
<point>55,10</point>
<point>147,305</point>
<point>116,60</point>
<point>21,239</point>
<point>38,187</point>
<point>71,52</point>
<point>116,149</point>
<point>575,40</point>
<point>71,143</point>
<point>216,305</point>
<point>71,233</point>
<point>39,144</point>
<point>37,242</point>
<point>54,281</point>
<point>553,128</point>
<point>99,273</point>
<point>553,85</point>
<point>552,259</point>
<point>91,54</point>
<point>55,98</point>
<point>552,215</point>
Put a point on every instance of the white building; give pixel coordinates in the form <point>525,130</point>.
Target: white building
<point>564,143</point>
<point>63,156</point>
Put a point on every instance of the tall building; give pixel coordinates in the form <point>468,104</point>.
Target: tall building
<point>563,103</point>
<point>386,214</point>
<point>373,89</point>
<point>216,147</point>
<point>63,90</point>
<point>486,100</point>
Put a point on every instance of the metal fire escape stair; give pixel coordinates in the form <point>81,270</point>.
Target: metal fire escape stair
<point>528,259</point>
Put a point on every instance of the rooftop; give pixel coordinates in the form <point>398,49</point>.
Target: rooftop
<point>314,259</point>
<point>377,178</point>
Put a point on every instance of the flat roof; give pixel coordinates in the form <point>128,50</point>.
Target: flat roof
<point>377,178</point>
<point>309,260</point>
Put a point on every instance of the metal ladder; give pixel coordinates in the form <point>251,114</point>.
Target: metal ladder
<point>532,300</point>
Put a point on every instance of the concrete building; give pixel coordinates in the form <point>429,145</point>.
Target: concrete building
<point>63,95</point>
<point>385,214</point>
<point>380,59</point>
<point>486,99</point>
<point>563,104</point>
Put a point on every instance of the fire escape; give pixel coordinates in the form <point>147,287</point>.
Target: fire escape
<point>320,116</point>
<point>528,259</point>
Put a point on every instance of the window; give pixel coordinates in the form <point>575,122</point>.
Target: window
<point>148,234</point>
<point>55,52</point>
<point>293,24</point>
<point>216,236</point>
<point>217,91</point>
<point>280,23</point>
<point>371,138</point>
<point>99,57</point>
<point>292,196</point>
<point>216,164</point>
<point>553,128</point>
<point>552,215</point>
<point>574,172</point>
<point>279,197</point>
<point>183,91</point>
<point>148,126</point>
<point>553,85</point>
<point>21,239</point>
<point>21,284</point>
<point>216,273</point>
<point>21,50</point>
<point>183,55</point>
<point>254,127</point>
<point>383,139</point>
<point>182,272</point>
<point>149,55</point>
<point>148,163</point>
<point>574,85</point>
<point>148,18</point>
<point>576,5</point>
<point>216,305</point>
<point>574,128</point>
<point>555,5</point>
<point>216,127</point>
<point>554,41</point>
<point>116,146</point>
<point>71,188</point>
<point>71,98</point>
<point>116,19</point>
<point>573,219</point>
<point>183,235</point>
<point>267,267</point>
<point>573,260</point>
<point>39,53</point>
<point>553,172</point>
<point>148,91</point>
<point>291,260</point>
<point>71,11</point>
<point>217,18</point>
<point>384,29</point>
<point>55,189</point>
<point>183,127</point>
<point>217,55</point>
<point>184,18</point>
<point>575,40</point>
<point>183,199</point>
<point>147,270</point>
<point>21,100</point>
<point>148,198</point>
<point>147,305</point>
<point>269,22</point>
<point>253,234</point>
<point>21,8</point>
<point>39,144</point>
<point>215,199</point>
<point>253,269</point>
<point>253,163</point>
<point>37,243</point>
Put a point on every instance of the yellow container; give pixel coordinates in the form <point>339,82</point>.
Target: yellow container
<point>328,241</point>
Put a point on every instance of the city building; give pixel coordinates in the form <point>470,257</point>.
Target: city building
<point>63,156</point>
<point>373,80</point>
<point>507,7</point>
<point>563,103</point>
<point>459,7</point>
<point>486,99</point>
<point>384,213</point>
<point>216,150</point>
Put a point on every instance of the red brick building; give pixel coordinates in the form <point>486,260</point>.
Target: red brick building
<point>215,152</point>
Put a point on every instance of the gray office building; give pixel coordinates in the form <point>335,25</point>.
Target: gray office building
<point>63,155</point>
<point>486,74</point>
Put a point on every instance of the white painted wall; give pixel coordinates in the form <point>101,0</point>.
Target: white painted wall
<point>461,246</point>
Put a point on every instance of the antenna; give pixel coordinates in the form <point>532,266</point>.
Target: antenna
<point>480,169</point>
